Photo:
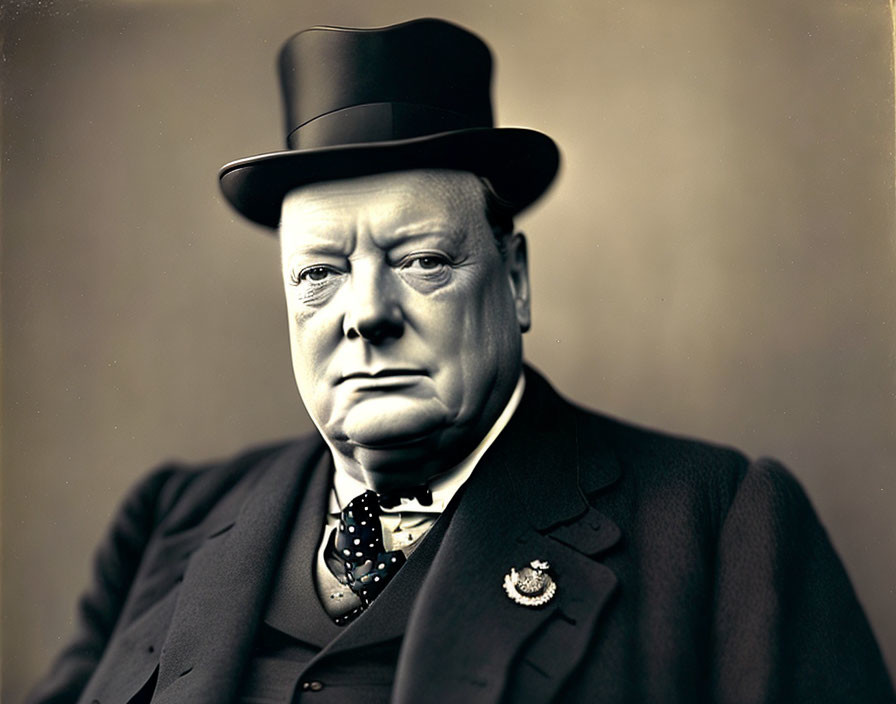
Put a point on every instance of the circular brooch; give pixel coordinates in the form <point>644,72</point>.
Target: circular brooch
<point>532,585</point>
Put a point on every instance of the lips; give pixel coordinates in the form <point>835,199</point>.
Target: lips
<point>390,379</point>
<point>384,374</point>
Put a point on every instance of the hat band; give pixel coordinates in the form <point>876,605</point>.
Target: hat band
<point>377,122</point>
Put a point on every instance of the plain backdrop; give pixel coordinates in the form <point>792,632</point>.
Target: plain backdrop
<point>716,259</point>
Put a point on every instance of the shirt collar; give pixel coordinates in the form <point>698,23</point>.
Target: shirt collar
<point>444,486</point>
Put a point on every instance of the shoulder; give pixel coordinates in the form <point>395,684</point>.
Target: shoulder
<point>669,460</point>
<point>683,504</point>
<point>669,475</point>
<point>645,454</point>
<point>192,489</point>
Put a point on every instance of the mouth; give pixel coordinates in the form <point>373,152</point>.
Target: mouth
<point>382,378</point>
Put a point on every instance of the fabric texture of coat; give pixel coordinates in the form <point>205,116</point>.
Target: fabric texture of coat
<point>685,573</point>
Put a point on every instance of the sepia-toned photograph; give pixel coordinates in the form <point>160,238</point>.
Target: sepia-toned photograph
<point>447,352</point>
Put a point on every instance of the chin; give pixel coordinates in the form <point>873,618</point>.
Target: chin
<point>419,441</point>
<point>397,422</point>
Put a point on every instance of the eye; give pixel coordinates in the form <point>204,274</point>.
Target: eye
<point>427,261</point>
<point>430,262</point>
<point>312,274</point>
<point>315,273</point>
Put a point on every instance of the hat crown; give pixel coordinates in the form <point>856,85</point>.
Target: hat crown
<point>345,85</point>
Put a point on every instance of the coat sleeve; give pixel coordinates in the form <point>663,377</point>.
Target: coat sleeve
<point>787,624</point>
<point>115,566</point>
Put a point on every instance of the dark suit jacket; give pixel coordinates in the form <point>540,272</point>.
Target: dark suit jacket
<point>685,573</point>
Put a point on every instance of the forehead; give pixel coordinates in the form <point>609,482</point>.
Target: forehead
<point>418,200</point>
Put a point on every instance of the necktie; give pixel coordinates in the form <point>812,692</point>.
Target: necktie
<point>359,546</point>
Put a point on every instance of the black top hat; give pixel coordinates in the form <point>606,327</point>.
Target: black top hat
<point>365,101</point>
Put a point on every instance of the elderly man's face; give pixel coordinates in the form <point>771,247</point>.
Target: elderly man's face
<point>405,318</point>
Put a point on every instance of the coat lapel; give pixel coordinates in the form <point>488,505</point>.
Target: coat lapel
<point>524,502</point>
<point>226,584</point>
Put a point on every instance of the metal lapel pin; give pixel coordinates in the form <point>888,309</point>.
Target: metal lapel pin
<point>532,585</point>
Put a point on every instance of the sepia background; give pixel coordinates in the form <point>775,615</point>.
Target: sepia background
<point>716,259</point>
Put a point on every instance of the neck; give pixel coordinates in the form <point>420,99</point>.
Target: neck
<point>387,470</point>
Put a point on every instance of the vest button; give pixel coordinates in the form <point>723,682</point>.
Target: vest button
<point>313,686</point>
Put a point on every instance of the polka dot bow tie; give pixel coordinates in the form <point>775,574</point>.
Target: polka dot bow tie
<point>359,546</point>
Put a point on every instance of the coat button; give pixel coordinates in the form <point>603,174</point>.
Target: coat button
<point>313,686</point>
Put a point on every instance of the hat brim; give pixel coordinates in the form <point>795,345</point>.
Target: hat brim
<point>519,163</point>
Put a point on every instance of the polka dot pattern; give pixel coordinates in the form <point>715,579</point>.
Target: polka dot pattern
<point>359,546</point>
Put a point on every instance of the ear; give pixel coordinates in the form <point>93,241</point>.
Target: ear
<point>517,267</point>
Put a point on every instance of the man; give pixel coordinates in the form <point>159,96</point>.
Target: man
<point>456,532</point>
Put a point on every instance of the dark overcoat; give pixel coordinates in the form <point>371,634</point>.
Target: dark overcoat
<point>685,573</point>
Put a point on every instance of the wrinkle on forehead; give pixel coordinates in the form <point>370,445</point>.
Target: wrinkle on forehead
<point>392,205</point>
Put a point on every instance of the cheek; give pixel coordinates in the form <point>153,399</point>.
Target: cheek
<point>309,364</point>
<point>497,330</point>
<point>308,344</point>
<point>477,331</point>
<point>494,317</point>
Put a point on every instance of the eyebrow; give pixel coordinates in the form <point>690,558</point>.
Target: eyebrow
<point>317,239</point>
<point>318,248</point>
<point>302,256</point>
<point>336,247</point>
<point>422,231</point>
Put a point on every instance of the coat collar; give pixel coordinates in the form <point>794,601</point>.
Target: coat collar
<point>526,501</point>
<point>549,463</point>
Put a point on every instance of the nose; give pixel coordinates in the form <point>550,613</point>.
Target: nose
<point>373,312</point>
